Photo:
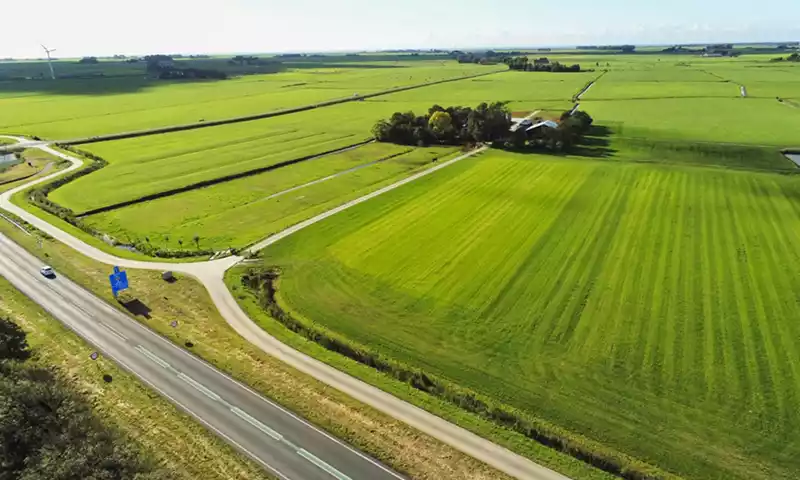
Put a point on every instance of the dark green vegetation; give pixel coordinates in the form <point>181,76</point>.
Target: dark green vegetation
<point>543,64</point>
<point>446,126</point>
<point>48,430</point>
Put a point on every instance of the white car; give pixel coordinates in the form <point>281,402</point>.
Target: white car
<point>48,271</point>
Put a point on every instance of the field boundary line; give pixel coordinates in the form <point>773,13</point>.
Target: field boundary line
<point>218,180</point>
<point>260,116</point>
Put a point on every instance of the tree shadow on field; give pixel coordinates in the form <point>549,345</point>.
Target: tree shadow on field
<point>595,144</point>
<point>110,78</point>
<point>91,86</point>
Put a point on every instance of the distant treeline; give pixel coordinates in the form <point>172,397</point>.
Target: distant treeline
<point>48,429</point>
<point>524,64</point>
<point>621,48</point>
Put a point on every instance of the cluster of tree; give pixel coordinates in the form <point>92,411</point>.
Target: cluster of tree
<point>795,57</point>
<point>164,68</point>
<point>568,132</point>
<point>245,60</point>
<point>524,64</point>
<point>88,60</point>
<point>48,430</point>
<point>719,46</point>
<point>175,73</point>
<point>157,63</point>
<point>446,126</point>
<point>621,48</point>
<point>489,57</point>
<point>681,49</point>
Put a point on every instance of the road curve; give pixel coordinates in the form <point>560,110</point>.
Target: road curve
<point>211,274</point>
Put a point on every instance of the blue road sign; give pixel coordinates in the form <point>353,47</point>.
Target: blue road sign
<point>118,280</point>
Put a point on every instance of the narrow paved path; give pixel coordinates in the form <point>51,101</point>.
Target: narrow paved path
<point>211,274</point>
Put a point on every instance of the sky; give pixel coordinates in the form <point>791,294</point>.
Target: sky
<point>107,27</point>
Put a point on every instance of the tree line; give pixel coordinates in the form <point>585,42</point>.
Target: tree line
<point>523,64</point>
<point>48,430</point>
<point>446,126</point>
<point>163,67</point>
<point>487,123</point>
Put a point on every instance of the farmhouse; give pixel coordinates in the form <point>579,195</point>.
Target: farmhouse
<point>546,124</point>
<point>542,61</point>
<point>517,123</point>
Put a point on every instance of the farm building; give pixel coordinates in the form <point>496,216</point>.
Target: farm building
<point>542,61</point>
<point>542,126</point>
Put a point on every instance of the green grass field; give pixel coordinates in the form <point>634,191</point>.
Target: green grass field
<point>638,292</point>
<point>646,306</point>
<point>241,212</point>
<point>82,108</point>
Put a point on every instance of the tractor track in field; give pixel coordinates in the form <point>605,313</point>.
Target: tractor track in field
<point>211,275</point>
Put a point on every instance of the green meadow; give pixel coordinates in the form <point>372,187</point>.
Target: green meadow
<point>74,108</point>
<point>241,212</point>
<point>638,292</point>
<point>646,306</point>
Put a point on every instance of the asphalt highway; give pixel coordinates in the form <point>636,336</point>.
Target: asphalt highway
<point>286,445</point>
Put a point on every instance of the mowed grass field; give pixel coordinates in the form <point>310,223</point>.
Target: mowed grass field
<point>522,91</point>
<point>699,99</point>
<point>147,165</point>
<point>153,164</point>
<point>241,212</point>
<point>649,307</point>
<point>83,108</point>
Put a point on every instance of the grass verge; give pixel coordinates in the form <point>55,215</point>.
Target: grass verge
<point>179,444</point>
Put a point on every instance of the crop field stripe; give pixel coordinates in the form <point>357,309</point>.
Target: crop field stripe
<point>783,260</point>
<point>772,335</point>
<point>713,360</point>
<point>259,116</point>
<point>729,341</point>
<point>217,181</point>
<point>747,311</point>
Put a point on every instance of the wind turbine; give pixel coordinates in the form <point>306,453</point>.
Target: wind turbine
<point>50,61</point>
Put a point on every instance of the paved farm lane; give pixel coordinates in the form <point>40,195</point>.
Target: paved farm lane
<point>211,275</point>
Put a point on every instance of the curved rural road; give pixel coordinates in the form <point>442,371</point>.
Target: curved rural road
<point>211,274</point>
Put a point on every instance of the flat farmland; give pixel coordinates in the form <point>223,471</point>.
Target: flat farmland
<point>757,121</point>
<point>148,165</point>
<point>243,211</point>
<point>651,72</point>
<point>607,89</point>
<point>648,307</point>
<point>75,108</point>
<point>522,90</point>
